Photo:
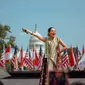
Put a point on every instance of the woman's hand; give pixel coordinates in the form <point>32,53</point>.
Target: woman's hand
<point>58,53</point>
<point>26,31</point>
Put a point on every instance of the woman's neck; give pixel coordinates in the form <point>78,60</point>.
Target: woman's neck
<point>51,37</point>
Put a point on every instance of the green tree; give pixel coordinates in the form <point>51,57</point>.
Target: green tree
<point>5,39</point>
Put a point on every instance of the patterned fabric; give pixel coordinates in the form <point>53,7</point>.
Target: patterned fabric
<point>58,78</point>
<point>51,52</point>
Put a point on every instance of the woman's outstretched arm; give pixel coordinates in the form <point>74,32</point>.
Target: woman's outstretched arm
<point>34,34</point>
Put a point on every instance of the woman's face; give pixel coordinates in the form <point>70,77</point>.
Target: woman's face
<point>52,33</point>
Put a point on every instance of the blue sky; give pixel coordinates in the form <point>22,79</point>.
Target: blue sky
<point>67,16</point>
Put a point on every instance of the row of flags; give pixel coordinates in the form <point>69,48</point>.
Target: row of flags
<point>71,59</point>
<point>74,57</point>
<point>33,60</point>
<point>20,59</point>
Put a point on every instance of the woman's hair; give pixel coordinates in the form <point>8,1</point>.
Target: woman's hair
<point>49,29</point>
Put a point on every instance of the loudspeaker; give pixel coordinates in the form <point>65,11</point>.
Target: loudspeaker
<point>1,83</point>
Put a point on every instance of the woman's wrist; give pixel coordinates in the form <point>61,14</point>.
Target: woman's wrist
<point>31,33</point>
<point>58,52</point>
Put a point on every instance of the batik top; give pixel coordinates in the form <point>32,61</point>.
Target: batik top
<point>51,48</point>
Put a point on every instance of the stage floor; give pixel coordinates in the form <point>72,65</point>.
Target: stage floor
<point>32,78</point>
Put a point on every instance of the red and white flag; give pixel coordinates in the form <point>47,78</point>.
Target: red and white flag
<point>2,60</point>
<point>71,57</point>
<point>83,51</point>
<point>15,60</point>
<point>40,62</point>
<point>8,54</point>
<point>21,58</point>
<point>2,63</point>
<point>36,58</point>
<point>27,61</point>
<point>65,60</point>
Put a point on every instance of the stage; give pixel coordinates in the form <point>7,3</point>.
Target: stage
<point>33,77</point>
<point>36,74</point>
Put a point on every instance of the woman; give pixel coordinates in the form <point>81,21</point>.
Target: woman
<point>52,44</point>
